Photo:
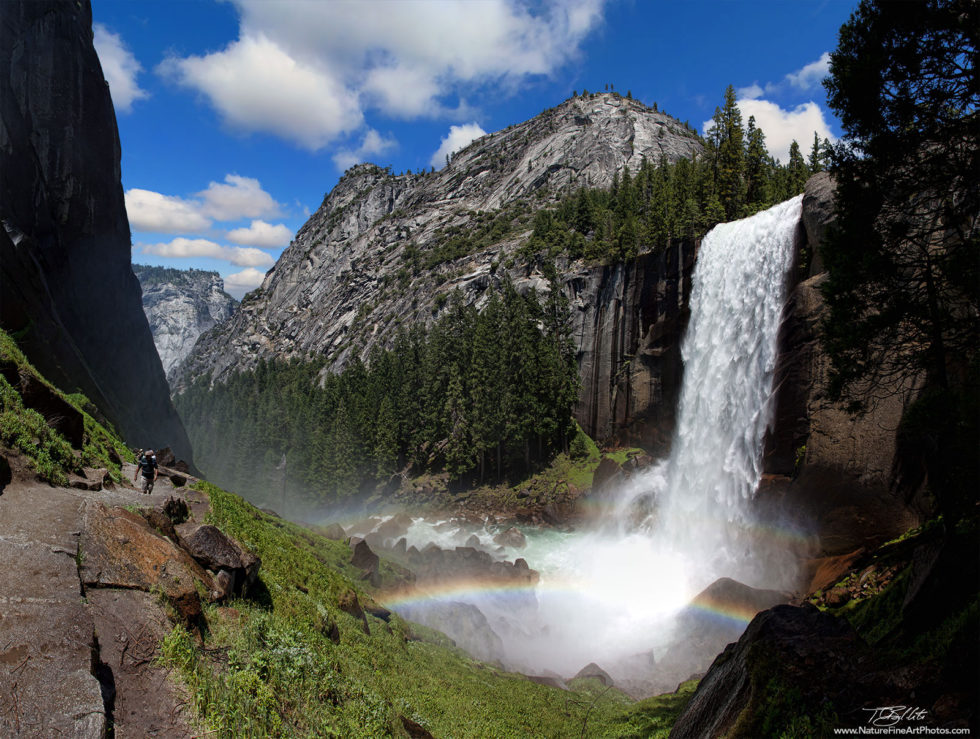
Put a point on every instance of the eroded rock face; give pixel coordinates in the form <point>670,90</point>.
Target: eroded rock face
<point>346,280</point>
<point>181,305</point>
<point>65,277</point>
<point>628,322</point>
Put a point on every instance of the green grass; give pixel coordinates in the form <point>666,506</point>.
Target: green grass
<point>653,718</point>
<point>269,667</point>
<point>49,453</point>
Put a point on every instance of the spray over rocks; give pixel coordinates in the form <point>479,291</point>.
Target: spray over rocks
<point>675,564</point>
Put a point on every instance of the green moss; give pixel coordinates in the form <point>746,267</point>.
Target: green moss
<point>875,617</point>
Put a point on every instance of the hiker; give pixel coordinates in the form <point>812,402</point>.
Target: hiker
<point>147,462</point>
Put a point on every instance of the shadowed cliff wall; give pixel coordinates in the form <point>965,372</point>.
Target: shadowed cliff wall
<point>67,289</point>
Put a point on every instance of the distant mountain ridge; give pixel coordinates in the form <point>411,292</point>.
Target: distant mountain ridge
<point>180,305</point>
<point>385,250</point>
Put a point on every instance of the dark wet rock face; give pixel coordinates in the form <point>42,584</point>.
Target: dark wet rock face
<point>831,471</point>
<point>66,284</point>
<point>810,650</point>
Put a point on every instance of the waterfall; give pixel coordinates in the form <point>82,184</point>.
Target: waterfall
<point>729,352</point>
<point>611,595</point>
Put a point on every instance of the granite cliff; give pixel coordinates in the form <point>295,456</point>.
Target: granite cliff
<point>181,305</point>
<point>67,290</point>
<point>837,471</point>
<point>384,251</point>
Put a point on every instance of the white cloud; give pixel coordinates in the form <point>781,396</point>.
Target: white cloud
<point>184,248</point>
<point>781,126</point>
<point>239,197</point>
<point>307,71</point>
<point>456,139</point>
<point>151,211</point>
<point>260,233</point>
<point>120,68</point>
<point>806,78</point>
<point>257,86</point>
<point>372,144</point>
<point>812,74</point>
<point>751,92</point>
<point>239,283</point>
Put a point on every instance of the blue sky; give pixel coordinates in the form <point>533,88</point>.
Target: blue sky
<point>237,117</point>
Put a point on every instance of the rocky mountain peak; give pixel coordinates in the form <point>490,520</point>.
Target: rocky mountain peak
<point>180,305</point>
<point>382,248</point>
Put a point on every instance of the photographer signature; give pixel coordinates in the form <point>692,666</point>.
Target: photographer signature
<point>885,716</point>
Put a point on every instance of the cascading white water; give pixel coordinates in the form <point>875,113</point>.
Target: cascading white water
<point>729,356</point>
<point>609,594</point>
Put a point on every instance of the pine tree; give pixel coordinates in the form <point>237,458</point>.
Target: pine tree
<point>757,167</point>
<point>815,163</point>
<point>727,136</point>
<point>798,172</point>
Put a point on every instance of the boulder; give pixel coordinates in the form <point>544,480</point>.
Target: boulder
<point>122,551</point>
<point>217,552</point>
<point>512,537</point>
<point>334,531</point>
<point>375,540</point>
<point>175,509</point>
<point>165,457</point>
<point>552,681</point>
<point>378,611</point>
<point>349,604</point>
<point>715,617</point>
<point>327,627</point>
<point>607,476</point>
<point>395,526</point>
<point>365,558</point>
<point>178,481</point>
<point>464,623</point>
<point>91,479</point>
<point>473,541</point>
<point>592,670</point>
<point>801,650</point>
<point>161,522</point>
<point>414,729</point>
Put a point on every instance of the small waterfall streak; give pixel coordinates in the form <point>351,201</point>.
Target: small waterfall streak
<point>729,351</point>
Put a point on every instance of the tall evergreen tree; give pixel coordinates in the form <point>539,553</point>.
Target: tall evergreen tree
<point>757,166</point>
<point>730,165</point>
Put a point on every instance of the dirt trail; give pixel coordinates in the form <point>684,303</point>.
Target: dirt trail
<point>77,661</point>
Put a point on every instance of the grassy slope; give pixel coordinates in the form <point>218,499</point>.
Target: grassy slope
<point>49,454</point>
<point>277,672</point>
